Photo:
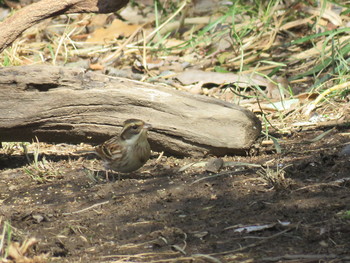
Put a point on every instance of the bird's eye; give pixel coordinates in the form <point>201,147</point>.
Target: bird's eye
<point>134,127</point>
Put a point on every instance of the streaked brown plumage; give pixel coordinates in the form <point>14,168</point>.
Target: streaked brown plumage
<point>129,151</point>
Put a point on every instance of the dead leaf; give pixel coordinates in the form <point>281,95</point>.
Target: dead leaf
<point>14,251</point>
<point>306,97</point>
<point>152,63</point>
<point>96,66</point>
<point>17,252</point>
<point>117,29</point>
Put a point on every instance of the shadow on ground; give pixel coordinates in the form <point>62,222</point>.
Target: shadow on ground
<point>160,213</point>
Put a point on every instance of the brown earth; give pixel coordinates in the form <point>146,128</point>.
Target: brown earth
<point>161,214</point>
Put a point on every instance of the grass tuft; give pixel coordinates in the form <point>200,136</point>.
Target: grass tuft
<point>275,178</point>
<point>41,171</point>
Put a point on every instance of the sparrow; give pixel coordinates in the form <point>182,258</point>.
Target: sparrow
<point>129,151</point>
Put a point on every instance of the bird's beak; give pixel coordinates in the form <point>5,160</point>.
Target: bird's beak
<point>147,126</point>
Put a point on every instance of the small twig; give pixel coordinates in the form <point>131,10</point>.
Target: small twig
<point>159,157</point>
<point>212,176</point>
<point>144,55</point>
<point>319,137</point>
<point>252,245</point>
<point>85,209</point>
<point>262,111</point>
<point>182,19</point>
<point>332,183</point>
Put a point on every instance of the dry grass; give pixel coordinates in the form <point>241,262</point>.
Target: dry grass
<point>306,45</point>
<point>275,178</point>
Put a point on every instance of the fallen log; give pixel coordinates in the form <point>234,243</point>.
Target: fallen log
<point>32,14</point>
<point>58,104</point>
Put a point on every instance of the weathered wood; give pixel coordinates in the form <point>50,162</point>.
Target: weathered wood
<point>32,14</point>
<point>59,104</point>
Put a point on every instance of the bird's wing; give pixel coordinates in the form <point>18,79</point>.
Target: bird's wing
<point>111,149</point>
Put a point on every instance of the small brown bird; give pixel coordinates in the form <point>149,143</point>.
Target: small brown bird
<point>128,151</point>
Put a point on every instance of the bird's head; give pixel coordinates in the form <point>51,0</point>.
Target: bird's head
<point>134,130</point>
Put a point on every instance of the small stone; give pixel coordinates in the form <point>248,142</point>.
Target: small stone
<point>214,165</point>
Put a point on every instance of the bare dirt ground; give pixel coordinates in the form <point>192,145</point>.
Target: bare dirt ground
<point>294,207</point>
<point>161,214</point>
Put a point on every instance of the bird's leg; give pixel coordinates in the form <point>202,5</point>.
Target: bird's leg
<point>108,172</point>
